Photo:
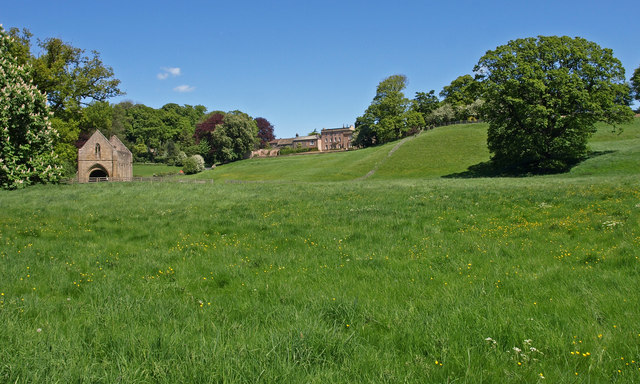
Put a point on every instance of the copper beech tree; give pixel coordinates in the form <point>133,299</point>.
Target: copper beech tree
<point>265,131</point>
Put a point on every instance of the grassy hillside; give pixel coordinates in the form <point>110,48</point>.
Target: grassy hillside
<point>307,167</point>
<point>413,279</point>
<point>435,153</point>
<point>438,152</point>
<point>617,152</point>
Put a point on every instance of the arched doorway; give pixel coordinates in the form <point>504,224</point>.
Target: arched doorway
<point>98,174</point>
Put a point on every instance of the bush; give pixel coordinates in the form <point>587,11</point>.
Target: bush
<point>193,164</point>
<point>180,158</point>
<point>290,151</point>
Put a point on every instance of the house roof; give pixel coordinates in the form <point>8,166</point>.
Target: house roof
<point>343,129</point>
<point>282,141</point>
<point>118,145</point>
<point>306,138</point>
<point>96,136</point>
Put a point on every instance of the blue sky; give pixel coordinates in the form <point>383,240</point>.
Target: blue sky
<point>307,65</point>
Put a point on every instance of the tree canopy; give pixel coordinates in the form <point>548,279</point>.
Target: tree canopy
<point>389,117</point>
<point>158,134</point>
<point>26,135</point>
<point>635,83</point>
<point>464,90</point>
<point>425,103</point>
<point>228,136</point>
<point>68,76</point>
<point>265,131</point>
<point>462,97</point>
<point>543,96</point>
<point>71,81</point>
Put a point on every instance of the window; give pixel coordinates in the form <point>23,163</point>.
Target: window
<point>98,150</point>
<point>312,143</point>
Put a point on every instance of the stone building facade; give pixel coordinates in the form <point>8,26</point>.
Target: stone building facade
<point>306,142</point>
<point>330,139</point>
<point>335,139</point>
<point>102,159</point>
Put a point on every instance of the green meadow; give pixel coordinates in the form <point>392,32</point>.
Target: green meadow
<point>151,170</point>
<point>431,154</point>
<point>381,265</point>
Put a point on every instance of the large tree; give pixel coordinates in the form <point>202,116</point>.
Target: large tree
<point>543,96</point>
<point>26,135</point>
<point>635,83</point>
<point>181,120</point>
<point>463,95</point>
<point>235,138</point>
<point>70,78</point>
<point>228,136</point>
<point>20,45</point>
<point>426,103</point>
<point>204,134</point>
<point>389,117</point>
<point>464,90</point>
<point>265,131</point>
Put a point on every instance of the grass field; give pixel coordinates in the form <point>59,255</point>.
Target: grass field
<point>302,168</point>
<point>149,170</point>
<point>318,276</point>
<point>445,151</point>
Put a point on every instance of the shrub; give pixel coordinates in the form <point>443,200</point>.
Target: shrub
<point>180,158</point>
<point>193,164</point>
<point>290,151</point>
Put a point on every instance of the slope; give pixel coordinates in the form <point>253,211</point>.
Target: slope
<point>431,154</point>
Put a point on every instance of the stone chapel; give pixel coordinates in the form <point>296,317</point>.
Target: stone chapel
<point>100,159</point>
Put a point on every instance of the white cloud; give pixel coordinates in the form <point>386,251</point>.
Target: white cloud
<point>184,88</point>
<point>169,71</point>
<point>174,71</point>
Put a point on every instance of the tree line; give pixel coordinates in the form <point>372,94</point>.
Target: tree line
<point>173,132</point>
<point>391,115</point>
<point>78,86</point>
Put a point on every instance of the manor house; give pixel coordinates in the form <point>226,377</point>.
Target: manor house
<point>336,138</point>
<point>329,139</point>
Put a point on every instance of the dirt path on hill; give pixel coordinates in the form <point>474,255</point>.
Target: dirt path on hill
<point>379,164</point>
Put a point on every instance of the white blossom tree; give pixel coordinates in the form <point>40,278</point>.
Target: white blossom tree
<point>26,135</point>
